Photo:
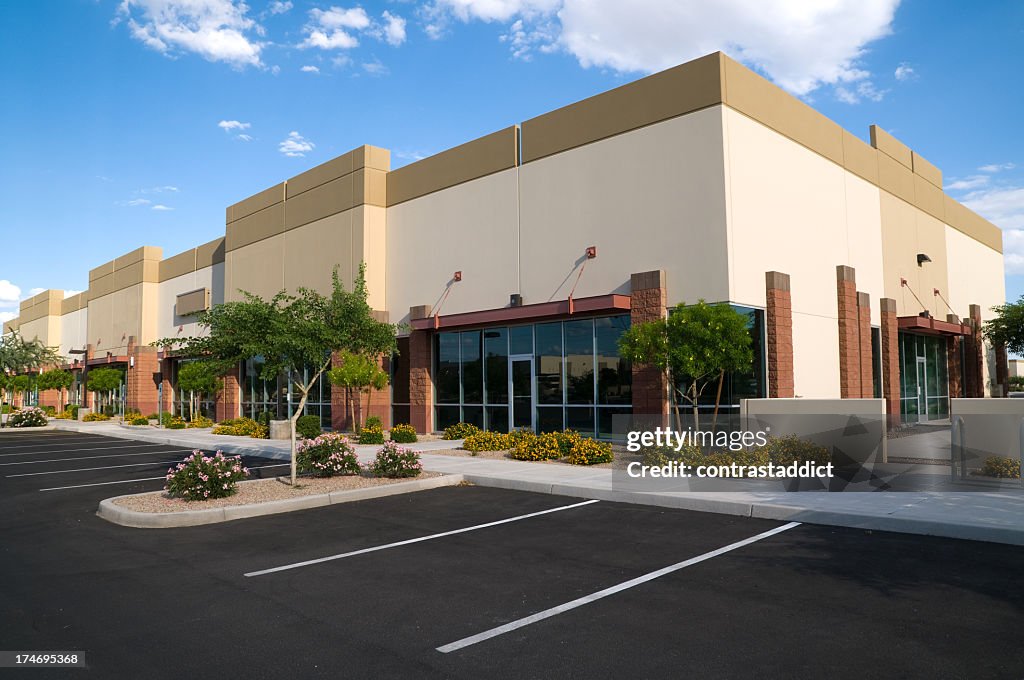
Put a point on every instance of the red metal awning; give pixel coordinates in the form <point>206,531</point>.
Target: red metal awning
<point>108,359</point>
<point>541,311</point>
<point>932,326</point>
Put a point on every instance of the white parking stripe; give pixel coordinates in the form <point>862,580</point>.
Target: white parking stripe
<point>554,611</point>
<point>143,479</point>
<point>90,448</point>
<point>92,469</point>
<point>112,455</point>
<point>415,540</point>
<point>69,440</point>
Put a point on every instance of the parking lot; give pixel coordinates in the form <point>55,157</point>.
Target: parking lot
<point>474,582</point>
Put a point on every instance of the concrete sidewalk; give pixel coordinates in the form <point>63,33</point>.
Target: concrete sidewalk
<point>996,516</point>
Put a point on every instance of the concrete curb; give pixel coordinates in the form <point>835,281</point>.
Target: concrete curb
<point>117,514</point>
<point>18,430</point>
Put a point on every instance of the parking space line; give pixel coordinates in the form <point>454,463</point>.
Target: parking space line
<point>88,448</point>
<point>431,537</point>
<point>69,440</point>
<point>93,469</point>
<point>625,585</point>
<point>143,479</point>
<point>111,455</point>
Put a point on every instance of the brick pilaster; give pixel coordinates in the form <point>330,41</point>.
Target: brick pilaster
<point>953,364</point>
<point>779,329</point>
<point>867,359</point>
<point>228,403</point>
<point>890,349</point>
<point>142,377</point>
<point>648,300</point>
<point>380,402</point>
<point>87,396</point>
<point>421,385</point>
<point>168,391</point>
<point>1002,388</point>
<point>849,333</point>
<point>974,377</point>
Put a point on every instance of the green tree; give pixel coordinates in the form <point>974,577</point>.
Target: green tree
<point>103,381</point>
<point>198,378</point>
<point>1006,328</point>
<point>357,374</point>
<point>291,333</point>
<point>56,379</point>
<point>694,347</point>
<point>18,355</point>
<point>21,384</point>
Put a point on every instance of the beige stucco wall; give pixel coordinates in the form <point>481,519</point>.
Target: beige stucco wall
<point>791,210</point>
<point>471,228</point>
<point>115,317</point>
<point>648,199</point>
<point>73,334</point>
<point>168,322</point>
<point>46,329</point>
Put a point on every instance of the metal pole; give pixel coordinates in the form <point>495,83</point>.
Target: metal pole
<point>958,444</point>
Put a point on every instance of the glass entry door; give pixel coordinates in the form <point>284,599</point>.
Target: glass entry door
<point>521,391</point>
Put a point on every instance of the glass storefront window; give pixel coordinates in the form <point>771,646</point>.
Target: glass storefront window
<point>496,360</point>
<point>548,363</point>
<point>614,375</point>
<point>472,368</point>
<point>446,373</point>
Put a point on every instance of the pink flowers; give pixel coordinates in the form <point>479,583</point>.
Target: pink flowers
<point>201,477</point>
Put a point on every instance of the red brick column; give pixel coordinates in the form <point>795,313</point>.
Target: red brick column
<point>142,384</point>
<point>228,403</point>
<point>380,402</point>
<point>87,396</point>
<point>867,363</point>
<point>421,384</point>
<point>648,300</point>
<point>340,421</point>
<point>956,382</point>
<point>890,349</point>
<point>168,391</point>
<point>1002,372</point>
<point>973,353</point>
<point>849,333</point>
<point>779,329</point>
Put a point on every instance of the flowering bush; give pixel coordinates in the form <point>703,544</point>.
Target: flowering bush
<point>460,431</point>
<point>486,441</point>
<point>138,420</point>
<point>586,451</point>
<point>201,421</point>
<point>95,417</point>
<point>396,461</point>
<point>175,423</point>
<point>372,434</point>
<point>242,427</point>
<point>30,417</point>
<point>403,434</point>
<point>1001,466</point>
<point>200,478</point>
<point>327,455</point>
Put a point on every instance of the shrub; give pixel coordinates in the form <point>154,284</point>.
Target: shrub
<point>327,455</point>
<point>50,410</point>
<point>242,427</point>
<point>166,418</point>
<point>73,409</point>
<point>63,415</point>
<point>792,449</point>
<point>308,426</point>
<point>688,454</point>
<point>153,416</point>
<point>201,421</point>
<point>109,411</point>
<point>30,417</point>
<point>176,423</point>
<point>460,431</point>
<point>371,434</point>
<point>587,451</point>
<point>139,420</point>
<point>545,446</point>
<point>374,421</point>
<point>1001,466</point>
<point>486,441</point>
<point>396,461</point>
<point>200,477</point>
<point>95,417</point>
<point>403,434</point>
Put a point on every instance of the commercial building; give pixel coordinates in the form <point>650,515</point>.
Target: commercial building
<point>516,260</point>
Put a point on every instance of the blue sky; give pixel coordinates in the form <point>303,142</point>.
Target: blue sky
<point>137,122</point>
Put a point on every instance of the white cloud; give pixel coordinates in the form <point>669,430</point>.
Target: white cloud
<point>217,30</point>
<point>800,45</point>
<point>69,293</point>
<point>9,293</point>
<point>244,138</point>
<point>1004,207</point>
<point>33,292</point>
<point>342,61</point>
<point>7,316</point>
<point>394,29</point>
<point>278,7</point>
<point>167,188</point>
<point>310,69</point>
<point>997,167</point>
<point>229,125</point>
<point>338,28</point>
<point>375,68</point>
<point>904,72</point>
<point>865,89</point>
<point>968,183</point>
<point>134,202</point>
<point>161,207</point>
<point>295,145</point>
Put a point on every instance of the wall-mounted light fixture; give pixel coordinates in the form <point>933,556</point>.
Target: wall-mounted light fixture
<point>922,258</point>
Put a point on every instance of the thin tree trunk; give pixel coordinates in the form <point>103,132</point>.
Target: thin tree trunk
<point>718,399</point>
<point>696,411</point>
<point>369,393</point>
